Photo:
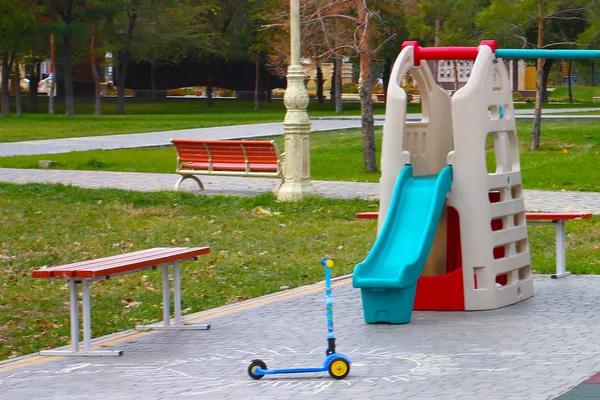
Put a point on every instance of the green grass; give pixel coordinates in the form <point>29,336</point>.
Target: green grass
<point>567,158</point>
<point>252,253</point>
<point>45,225</point>
<point>338,155</point>
<point>581,94</point>
<point>144,117</point>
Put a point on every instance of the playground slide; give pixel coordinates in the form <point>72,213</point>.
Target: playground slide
<point>388,276</point>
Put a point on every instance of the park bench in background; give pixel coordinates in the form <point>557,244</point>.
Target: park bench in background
<point>558,220</point>
<point>541,218</point>
<point>259,158</point>
<point>108,267</point>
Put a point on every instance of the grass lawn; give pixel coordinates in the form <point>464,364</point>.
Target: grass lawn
<point>567,159</point>
<point>52,225</point>
<point>47,225</point>
<point>580,93</point>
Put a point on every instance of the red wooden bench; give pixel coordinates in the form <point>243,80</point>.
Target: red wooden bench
<point>104,268</point>
<point>542,218</point>
<point>258,158</point>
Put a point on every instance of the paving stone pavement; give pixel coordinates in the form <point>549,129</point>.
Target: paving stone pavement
<point>537,349</point>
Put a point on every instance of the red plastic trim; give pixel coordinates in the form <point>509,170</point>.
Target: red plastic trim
<point>446,53</point>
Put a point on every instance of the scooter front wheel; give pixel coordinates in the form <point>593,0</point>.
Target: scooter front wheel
<point>254,365</point>
<point>338,368</point>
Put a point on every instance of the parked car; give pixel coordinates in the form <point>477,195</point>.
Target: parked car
<point>45,85</point>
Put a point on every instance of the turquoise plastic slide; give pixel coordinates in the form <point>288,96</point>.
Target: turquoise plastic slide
<point>388,276</point>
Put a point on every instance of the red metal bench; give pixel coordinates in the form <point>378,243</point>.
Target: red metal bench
<point>542,218</point>
<point>104,268</point>
<point>226,157</point>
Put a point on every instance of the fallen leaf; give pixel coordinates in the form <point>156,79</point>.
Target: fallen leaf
<point>262,211</point>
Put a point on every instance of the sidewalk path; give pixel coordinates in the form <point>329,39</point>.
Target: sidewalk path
<point>153,139</point>
<point>534,350</point>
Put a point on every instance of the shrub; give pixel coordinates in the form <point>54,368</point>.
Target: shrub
<point>225,93</point>
<point>350,88</point>
<point>113,92</point>
<point>378,88</point>
<point>175,92</point>
<point>518,96</point>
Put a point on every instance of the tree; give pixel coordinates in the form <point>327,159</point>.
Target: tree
<point>525,23</point>
<point>342,27</point>
<point>69,13</point>
<point>167,33</point>
<point>16,22</point>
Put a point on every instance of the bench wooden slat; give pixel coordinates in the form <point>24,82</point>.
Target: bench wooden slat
<point>120,263</point>
<point>557,216</point>
<point>69,270</point>
<point>226,157</point>
<point>529,216</point>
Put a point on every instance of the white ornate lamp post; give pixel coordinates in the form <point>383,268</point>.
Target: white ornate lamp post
<point>296,172</point>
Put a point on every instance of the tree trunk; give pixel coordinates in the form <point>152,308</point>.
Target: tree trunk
<point>209,89</point>
<point>153,82</point>
<point>320,97</point>
<point>268,89</point>
<point>256,85</point>
<point>547,67</point>
<point>53,80</point>
<point>121,71</point>
<point>366,86</point>
<point>569,72</point>
<point>337,83</point>
<point>34,84</point>
<point>124,56</point>
<point>95,75</point>
<point>5,88</point>
<point>69,99</point>
<point>435,65</point>
<point>387,71</point>
<point>18,104</point>
<point>537,118</point>
<point>332,87</point>
<point>366,108</point>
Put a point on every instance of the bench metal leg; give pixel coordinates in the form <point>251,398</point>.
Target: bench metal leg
<point>177,294</point>
<point>74,302</point>
<point>183,177</point>
<point>166,295</point>
<point>167,304</point>
<point>87,325</point>
<point>561,264</point>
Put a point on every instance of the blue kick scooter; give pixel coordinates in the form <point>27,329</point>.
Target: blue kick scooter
<point>338,365</point>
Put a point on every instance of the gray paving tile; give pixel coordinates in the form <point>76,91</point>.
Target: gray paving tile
<point>521,351</point>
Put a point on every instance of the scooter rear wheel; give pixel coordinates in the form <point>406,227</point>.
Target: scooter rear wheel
<point>254,365</point>
<point>338,368</point>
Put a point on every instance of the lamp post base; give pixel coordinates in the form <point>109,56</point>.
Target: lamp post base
<point>289,191</point>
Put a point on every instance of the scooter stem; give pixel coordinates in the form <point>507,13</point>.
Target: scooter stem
<point>327,263</point>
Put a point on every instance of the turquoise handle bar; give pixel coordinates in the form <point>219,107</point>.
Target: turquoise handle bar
<point>552,54</point>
